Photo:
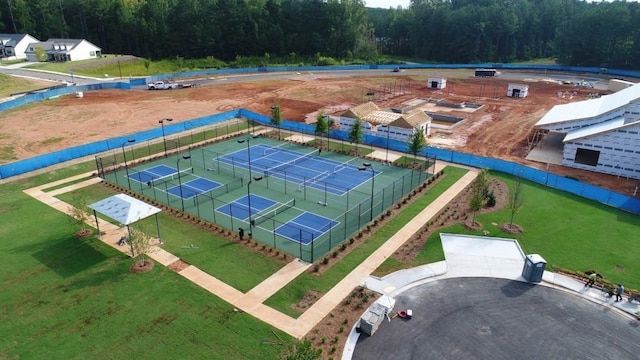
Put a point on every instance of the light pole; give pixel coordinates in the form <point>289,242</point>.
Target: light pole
<point>364,167</point>
<point>248,141</point>
<point>126,168</point>
<point>179,179</point>
<point>257,178</point>
<point>164,140</point>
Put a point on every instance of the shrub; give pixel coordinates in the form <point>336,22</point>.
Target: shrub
<point>325,261</point>
<point>351,241</point>
<point>335,254</point>
<point>316,268</point>
<point>343,247</point>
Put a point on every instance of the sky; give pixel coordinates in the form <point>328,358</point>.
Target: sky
<point>385,4</point>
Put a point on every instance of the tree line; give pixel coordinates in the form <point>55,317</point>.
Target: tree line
<point>575,32</point>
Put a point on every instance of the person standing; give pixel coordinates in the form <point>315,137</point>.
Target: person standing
<point>592,279</point>
<point>619,292</point>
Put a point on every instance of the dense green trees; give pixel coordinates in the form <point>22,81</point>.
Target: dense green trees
<point>576,32</point>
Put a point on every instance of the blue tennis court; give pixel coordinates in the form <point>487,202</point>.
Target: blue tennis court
<point>193,188</point>
<point>153,173</point>
<point>239,208</point>
<point>305,228</point>
<point>305,169</point>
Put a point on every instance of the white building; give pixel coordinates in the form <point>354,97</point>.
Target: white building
<point>601,134</point>
<point>436,83</point>
<point>518,90</point>
<point>63,50</point>
<point>13,46</point>
<point>385,124</point>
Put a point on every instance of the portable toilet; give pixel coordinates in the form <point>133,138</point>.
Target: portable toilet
<point>533,269</point>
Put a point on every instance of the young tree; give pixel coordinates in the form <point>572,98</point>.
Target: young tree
<point>321,126</point>
<point>140,244</point>
<point>416,142</point>
<point>79,212</point>
<point>515,198</point>
<point>356,135</point>
<point>275,117</point>
<point>479,192</point>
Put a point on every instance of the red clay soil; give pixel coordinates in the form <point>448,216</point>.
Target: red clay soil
<point>500,129</point>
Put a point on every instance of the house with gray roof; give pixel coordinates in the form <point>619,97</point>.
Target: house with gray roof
<point>13,46</point>
<point>61,50</point>
<point>601,134</point>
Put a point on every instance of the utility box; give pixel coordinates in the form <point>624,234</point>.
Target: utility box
<point>371,320</point>
<point>533,269</point>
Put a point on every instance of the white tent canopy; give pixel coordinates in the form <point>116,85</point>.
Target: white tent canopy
<point>125,209</point>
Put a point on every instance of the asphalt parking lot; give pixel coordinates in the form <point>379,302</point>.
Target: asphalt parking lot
<point>485,318</point>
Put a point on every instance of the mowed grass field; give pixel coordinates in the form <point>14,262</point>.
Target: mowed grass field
<point>68,298</point>
<point>568,231</point>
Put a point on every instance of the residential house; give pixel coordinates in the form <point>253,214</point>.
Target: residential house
<point>13,46</point>
<point>64,50</point>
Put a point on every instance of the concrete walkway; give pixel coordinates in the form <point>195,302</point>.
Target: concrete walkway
<point>252,301</point>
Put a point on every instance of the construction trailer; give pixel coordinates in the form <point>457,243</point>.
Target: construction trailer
<point>518,90</point>
<point>436,83</point>
<point>486,72</point>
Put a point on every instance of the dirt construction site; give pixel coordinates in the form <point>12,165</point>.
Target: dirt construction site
<point>502,127</point>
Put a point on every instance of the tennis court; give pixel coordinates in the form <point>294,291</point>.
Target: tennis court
<point>305,228</point>
<point>192,188</point>
<point>246,206</point>
<point>154,174</point>
<point>305,169</point>
<point>293,198</point>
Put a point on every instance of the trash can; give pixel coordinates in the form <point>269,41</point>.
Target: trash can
<point>533,269</point>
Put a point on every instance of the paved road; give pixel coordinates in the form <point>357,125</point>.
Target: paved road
<point>481,318</point>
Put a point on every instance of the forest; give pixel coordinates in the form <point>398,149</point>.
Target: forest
<point>573,32</point>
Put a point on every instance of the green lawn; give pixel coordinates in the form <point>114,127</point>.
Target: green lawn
<point>295,291</point>
<point>567,230</point>
<point>12,84</point>
<point>215,255</point>
<point>75,298</point>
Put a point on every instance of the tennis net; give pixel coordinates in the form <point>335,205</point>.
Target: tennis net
<point>266,215</point>
<point>342,166</point>
<point>275,149</point>
<point>167,178</point>
<point>280,167</point>
<point>314,179</point>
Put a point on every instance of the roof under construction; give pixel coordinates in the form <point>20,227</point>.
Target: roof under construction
<point>372,114</point>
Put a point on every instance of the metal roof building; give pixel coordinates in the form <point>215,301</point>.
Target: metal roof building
<point>601,134</point>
